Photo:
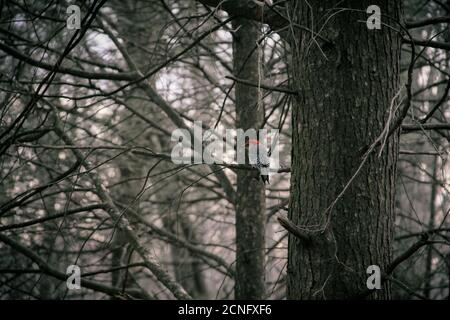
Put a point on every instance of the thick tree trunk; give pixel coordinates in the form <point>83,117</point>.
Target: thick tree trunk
<point>343,106</point>
<point>250,203</point>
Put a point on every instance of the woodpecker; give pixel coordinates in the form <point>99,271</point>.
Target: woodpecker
<point>262,159</point>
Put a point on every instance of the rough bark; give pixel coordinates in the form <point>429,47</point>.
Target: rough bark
<point>342,107</point>
<point>250,204</point>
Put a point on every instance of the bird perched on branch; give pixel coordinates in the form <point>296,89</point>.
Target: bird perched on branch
<point>261,160</point>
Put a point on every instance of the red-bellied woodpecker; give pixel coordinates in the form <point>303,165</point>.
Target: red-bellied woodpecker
<point>259,157</point>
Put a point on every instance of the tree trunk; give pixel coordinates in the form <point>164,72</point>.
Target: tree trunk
<point>250,203</point>
<point>188,268</point>
<point>342,107</point>
<point>429,256</point>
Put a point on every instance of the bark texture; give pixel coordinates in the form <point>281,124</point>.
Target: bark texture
<point>250,202</point>
<point>342,107</point>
